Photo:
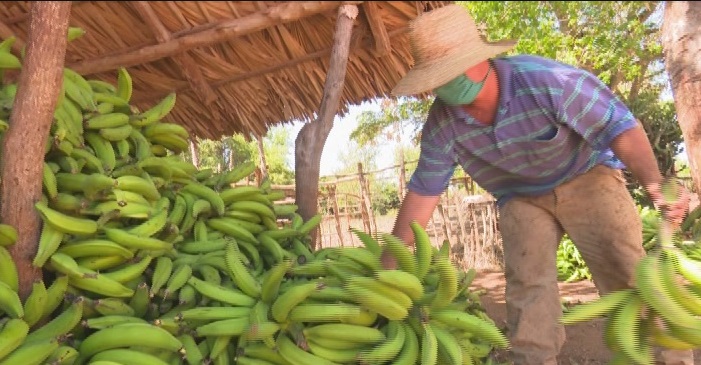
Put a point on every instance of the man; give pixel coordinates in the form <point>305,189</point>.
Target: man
<point>548,140</point>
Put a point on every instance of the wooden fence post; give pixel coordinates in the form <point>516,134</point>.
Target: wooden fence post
<point>444,218</point>
<point>402,176</point>
<point>336,217</point>
<point>364,208</point>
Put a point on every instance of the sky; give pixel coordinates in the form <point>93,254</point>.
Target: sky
<point>338,138</point>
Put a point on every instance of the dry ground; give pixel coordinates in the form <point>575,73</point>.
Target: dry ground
<point>584,345</point>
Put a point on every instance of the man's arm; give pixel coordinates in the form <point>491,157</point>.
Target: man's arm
<point>633,148</point>
<point>414,207</point>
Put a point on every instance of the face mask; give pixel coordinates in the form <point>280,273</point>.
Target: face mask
<point>461,90</point>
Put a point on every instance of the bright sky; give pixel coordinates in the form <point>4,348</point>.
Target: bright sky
<point>338,139</point>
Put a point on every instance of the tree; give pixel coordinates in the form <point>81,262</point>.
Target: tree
<point>682,45</point>
<point>23,145</point>
<point>276,143</point>
<point>230,151</point>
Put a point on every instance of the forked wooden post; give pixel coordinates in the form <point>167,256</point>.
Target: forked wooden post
<point>310,141</point>
<point>23,148</point>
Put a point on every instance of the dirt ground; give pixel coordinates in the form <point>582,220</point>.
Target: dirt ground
<point>584,344</point>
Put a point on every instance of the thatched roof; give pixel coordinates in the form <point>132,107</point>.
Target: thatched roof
<point>237,66</point>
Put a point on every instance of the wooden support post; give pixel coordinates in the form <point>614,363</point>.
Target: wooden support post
<point>23,148</point>
<point>310,141</point>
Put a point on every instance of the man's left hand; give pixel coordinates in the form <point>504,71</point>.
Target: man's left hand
<point>673,210</point>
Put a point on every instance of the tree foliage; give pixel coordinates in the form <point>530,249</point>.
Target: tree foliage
<point>233,150</point>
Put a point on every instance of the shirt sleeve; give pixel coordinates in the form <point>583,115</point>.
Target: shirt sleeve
<point>590,108</point>
<point>436,163</point>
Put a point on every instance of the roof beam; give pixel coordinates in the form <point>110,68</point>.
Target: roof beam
<point>6,32</point>
<point>219,32</point>
<point>377,28</point>
<point>259,72</point>
<point>189,68</point>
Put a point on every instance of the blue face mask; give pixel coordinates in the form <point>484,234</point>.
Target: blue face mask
<point>461,90</point>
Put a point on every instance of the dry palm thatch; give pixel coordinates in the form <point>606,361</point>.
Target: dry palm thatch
<point>236,66</point>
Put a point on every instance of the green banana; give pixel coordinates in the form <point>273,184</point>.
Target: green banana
<point>129,334</point>
<point>10,302</point>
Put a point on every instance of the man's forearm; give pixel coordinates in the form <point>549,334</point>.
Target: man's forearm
<point>633,148</point>
<point>414,207</point>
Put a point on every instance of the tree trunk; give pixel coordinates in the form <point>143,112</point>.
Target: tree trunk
<point>23,149</point>
<point>681,38</point>
<point>310,141</point>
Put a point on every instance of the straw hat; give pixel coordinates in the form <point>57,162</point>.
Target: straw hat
<point>444,43</point>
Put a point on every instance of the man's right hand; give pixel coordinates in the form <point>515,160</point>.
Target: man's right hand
<point>388,261</point>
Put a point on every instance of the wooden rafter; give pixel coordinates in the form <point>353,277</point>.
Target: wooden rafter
<point>262,71</point>
<point>377,27</point>
<point>191,71</point>
<point>219,32</point>
<point>6,32</point>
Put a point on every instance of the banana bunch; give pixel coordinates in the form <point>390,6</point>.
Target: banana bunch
<point>663,308</point>
<point>148,260</point>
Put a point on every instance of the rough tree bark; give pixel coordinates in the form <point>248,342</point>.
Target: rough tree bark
<point>681,39</point>
<point>310,141</point>
<point>32,115</point>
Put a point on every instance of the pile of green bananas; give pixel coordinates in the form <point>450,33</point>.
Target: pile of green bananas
<point>148,260</point>
<point>663,308</point>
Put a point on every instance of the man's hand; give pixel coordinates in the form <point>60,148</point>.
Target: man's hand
<point>388,261</point>
<point>673,205</point>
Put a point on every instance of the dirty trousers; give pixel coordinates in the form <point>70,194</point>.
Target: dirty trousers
<point>599,215</point>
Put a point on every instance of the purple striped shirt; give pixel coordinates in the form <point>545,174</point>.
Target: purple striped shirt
<point>553,122</point>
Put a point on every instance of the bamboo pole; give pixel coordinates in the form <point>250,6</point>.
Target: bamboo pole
<point>23,148</point>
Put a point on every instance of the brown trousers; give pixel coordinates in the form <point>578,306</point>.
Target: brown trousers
<point>599,215</point>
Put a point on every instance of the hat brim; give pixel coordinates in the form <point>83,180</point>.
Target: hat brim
<point>428,76</point>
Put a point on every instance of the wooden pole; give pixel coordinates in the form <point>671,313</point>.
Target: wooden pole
<point>681,39</point>
<point>310,141</point>
<point>463,231</point>
<point>364,209</point>
<point>402,175</point>
<point>23,148</point>
<point>263,165</point>
<point>193,153</point>
<point>336,217</point>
